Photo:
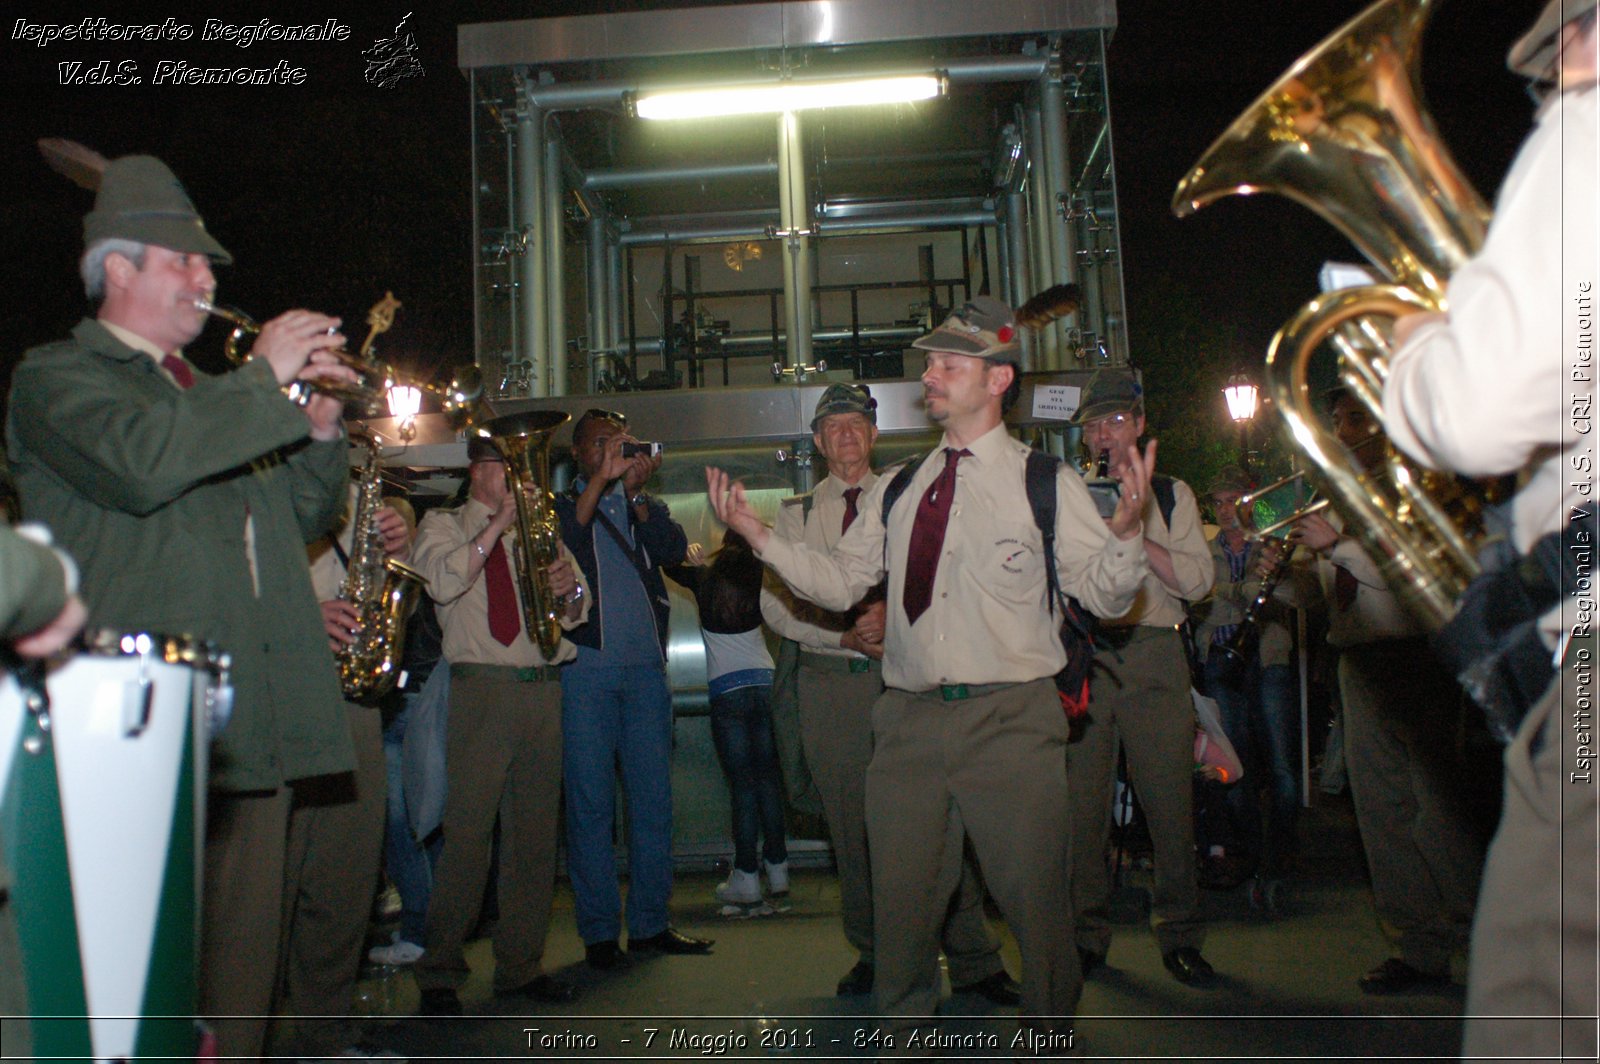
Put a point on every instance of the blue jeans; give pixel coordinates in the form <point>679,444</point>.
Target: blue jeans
<point>741,727</point>
<point>1261,714</point>
<point>409,863</point>
<point>613,717</point>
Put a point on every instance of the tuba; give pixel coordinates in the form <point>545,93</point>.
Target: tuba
<point>523,440</point>
<point>1343,132</point>
<point>382,590</point>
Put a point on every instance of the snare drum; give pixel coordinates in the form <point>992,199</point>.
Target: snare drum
<point>103,818</point>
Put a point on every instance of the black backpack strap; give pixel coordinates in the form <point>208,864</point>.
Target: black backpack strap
<point>1166,496</point>
<point>897,486</point>
<point>1072,682</point>
<point>1041,484</point>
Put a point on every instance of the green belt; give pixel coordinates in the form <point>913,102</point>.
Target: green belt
<point>960,692</point>
<point>837,662</point>
<point>531,674</point>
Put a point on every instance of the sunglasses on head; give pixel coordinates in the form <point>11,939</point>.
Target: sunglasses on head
<point>606,415</point>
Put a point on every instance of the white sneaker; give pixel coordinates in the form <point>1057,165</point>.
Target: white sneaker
<point>742,888</point>
<point>396,953</point>
<point>777,877</point>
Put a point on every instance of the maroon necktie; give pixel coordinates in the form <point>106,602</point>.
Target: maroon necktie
<point>503,623</point>
<point>850,511</point>
<point>180,370</point>
<point>927,536</point>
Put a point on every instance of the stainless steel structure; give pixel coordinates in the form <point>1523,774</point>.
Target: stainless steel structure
<point>611,247</point>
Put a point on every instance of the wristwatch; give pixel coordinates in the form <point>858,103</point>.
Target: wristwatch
<point>637,500</point>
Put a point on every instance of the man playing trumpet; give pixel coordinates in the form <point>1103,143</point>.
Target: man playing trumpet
<point>187,500</point>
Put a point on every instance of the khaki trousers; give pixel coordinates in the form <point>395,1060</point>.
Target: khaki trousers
<point>1531,986</point>
<point>335,845</point>
<point>836,734</point>
<point>1142,703</point>
<point>502,758</point>
<point>989,770</point>
<point>247,835</point>
<point>1402,717</point>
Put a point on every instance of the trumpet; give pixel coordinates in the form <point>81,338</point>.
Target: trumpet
<point>369,393</point>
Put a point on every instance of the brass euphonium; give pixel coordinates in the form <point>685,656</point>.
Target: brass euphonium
<point>523,440</point>
<point>1343,132</point>
<point>382,590</point>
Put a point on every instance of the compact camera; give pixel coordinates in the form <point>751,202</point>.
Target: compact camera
<point>1105,493</point>
<point>652,449</point>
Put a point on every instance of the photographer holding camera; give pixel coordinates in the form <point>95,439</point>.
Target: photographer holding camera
<point>616,706</point>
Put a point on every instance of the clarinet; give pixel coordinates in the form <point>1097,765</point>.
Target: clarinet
<point>1238,650</point>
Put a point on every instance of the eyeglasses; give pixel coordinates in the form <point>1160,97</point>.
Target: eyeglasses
<point>1110,421</point>
<point>606,415</point>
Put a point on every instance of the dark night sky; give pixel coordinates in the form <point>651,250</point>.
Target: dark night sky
<point>330,192</point>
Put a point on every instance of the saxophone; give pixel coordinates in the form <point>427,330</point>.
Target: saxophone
<point>382,590</point>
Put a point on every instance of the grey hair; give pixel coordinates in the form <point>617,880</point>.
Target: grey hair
<point>92,267</point>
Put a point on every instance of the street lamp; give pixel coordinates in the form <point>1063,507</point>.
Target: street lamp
<point>1242,394</point>
<point>405,402</point>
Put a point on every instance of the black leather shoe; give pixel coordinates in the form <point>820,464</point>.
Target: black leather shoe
<point>670,941</point>
<point>1089,960</point>
<point>1395,976</point>
<point>1188,967</point>
<point>545,988</point>
<point>997,989</point>
<point>439,1001</point>
<point>857,980</point>
<point>606,956</point>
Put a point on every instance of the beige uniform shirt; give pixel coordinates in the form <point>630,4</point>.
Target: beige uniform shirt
<point>816,630</point>
<point>988,621</point>
<point>1157,604</point>
<point>442,553</point>
<point>1376,612</point>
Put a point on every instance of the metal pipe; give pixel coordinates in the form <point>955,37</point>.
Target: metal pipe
<point>794,214</point>
<point>1047,343</point>
<point>642,177</point>
<point>1022,286</point>
<point>614,292</point>
<point>528,192</point>
<point>690,235</point>
<point>599,320</point>
<point>1063,247</point>
<point>652,344</point>
<point>555,269</point>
